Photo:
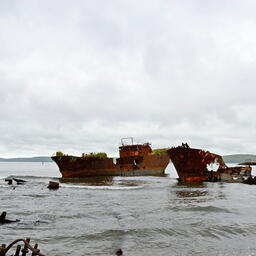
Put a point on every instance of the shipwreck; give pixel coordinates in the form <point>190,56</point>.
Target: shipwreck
<point>133,160</point>
<point>197,165</point>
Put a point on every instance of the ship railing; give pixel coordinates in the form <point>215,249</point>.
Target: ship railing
<point>123,140</point>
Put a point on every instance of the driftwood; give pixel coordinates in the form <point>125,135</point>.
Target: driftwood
<point>19,181</point>
<point>3,219</point>
<point>9,181</point>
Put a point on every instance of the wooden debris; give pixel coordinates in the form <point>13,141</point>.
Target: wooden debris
<point>9,181</point>
<point>3,219</point>
<point>19,181</point>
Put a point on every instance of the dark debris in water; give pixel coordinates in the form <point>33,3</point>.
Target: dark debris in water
<point>119,252</point>
<point>3,219</point>
<point>250,181</point>
<point>18,181</point>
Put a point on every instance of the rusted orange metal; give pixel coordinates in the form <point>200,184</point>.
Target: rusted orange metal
<point>134,150</point>
<point>134,160</point>
<point>196,165</point>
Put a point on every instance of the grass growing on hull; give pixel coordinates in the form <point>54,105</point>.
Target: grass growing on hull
<point>101,155</point>
<point>96,155</point>
<point>59,153</point>
<point>160,151</point>
<point>66,157</point>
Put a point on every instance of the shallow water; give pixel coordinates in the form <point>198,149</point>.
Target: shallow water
<point>140,215</point>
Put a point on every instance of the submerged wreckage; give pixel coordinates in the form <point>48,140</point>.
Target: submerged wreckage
<point>27,248</point>
<point>134,160</point>
<point>196,165</point>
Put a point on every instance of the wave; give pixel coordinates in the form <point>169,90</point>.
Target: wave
<point>227,231</point>
<point>196,208</point>
<point>27,177</point>
<point>101,187</point>
<point>207,209</point>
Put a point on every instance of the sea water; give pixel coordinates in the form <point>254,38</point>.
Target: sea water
<point>140,215</point>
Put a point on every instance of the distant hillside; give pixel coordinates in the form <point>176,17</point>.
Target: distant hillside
<point>27,159</point>
<point>238,158</point>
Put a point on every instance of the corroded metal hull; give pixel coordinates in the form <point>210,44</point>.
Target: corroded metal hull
<point>196,165</point>
<point>80,167</point>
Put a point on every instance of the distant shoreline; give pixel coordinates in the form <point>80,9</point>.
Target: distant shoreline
<point>239,158</point>
<point>27,159</point>
<point>235,158</point>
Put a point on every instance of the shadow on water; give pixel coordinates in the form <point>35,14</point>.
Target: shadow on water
<point>196,193</point>
<point>190,189</point>
<point>190,184</point>
<point>199,189</point>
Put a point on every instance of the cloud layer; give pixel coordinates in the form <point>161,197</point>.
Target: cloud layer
<point>79,76</point>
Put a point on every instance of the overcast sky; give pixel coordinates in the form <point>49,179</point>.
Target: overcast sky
<point>77,76</point>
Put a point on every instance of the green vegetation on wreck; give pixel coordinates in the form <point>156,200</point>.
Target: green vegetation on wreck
<point>96,155</point>
<point>160,151</point>
<point>99,155</point>
<point>59,153</point>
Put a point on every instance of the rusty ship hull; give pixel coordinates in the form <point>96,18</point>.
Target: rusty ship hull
<point>81,167</point>
<point>195,165</point>
<point>134,160</point>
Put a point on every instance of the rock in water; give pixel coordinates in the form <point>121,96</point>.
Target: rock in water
<point>119,252</point>
<point>53,185</point>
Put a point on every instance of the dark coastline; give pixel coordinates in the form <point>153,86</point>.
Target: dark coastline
<point>27,159</point>
<point>235,158</point>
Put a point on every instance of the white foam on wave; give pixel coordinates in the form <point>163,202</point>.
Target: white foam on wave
<point>4,185</point>
<point>101,187</point>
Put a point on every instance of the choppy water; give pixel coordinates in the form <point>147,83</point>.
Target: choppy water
<point>140,215</point>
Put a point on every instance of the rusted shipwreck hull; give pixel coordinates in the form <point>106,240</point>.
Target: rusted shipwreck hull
<point>134,160</point>
<point>196,165</point>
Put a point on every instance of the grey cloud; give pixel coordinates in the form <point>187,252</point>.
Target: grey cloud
<point>78,77</point>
